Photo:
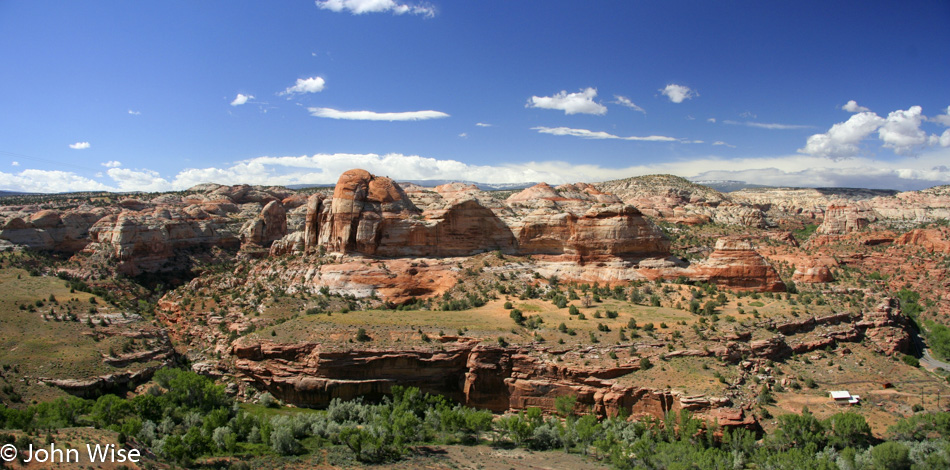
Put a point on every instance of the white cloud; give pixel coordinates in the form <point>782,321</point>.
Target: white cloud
<point>586,134</point>
<point>79,145</point>
<point>624,101</point>
<point>901,131</point>
<point>768,125</point>
<point>574,103</point>
<point>944,139</point>
<point>482,124</point>
<point>111,164</point>
<point>138,180</point>
<point>678,93</point>
<point>359,7</point>
<point>463,135</point>
<point>904,173</point>
<point>719,142</point>
<point>45,181</point>
<point>712,120</point>
<point>841,141</point>
<point>853,107</point>
<point>305,85</point>
<point>374,116</point>
<point>14,163</point>
<point>134,113</point>
<point>241,99</point>
<point>943,118</point>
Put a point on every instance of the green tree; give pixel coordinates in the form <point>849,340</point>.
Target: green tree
<point>848,430</point>
<point>891,455</point>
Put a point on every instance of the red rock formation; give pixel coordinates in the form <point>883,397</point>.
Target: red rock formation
<point>931,240</point>
<point>612,231</point>
<point>846,217</point>
<point>149,240</point>
<point>54,230</point>
<point>270,226</point>
<point>811,272</point>
<point>736,264</point>
<point>489,377</point>
<point>372,215</point>
<point>887,328</point>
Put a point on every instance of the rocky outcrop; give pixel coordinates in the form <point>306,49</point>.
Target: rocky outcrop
<point>151,240</point>
<point>262,231</point>
<point>887,328</point>
<point>396,280</point>
<point>736,264</point>
<point>931,240</point>
<point>613,231</point>
<point>96,386</point>
<point>915,206</point>
<point>51,230</point>
<point>681,201</point>
<point>372,215</point>
<point>312,222</point>
<point>842,218</point>
<point>487,377</point>
<point>811,272</point>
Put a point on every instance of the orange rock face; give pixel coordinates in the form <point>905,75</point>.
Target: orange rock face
<point>811,271</point>
<point>487,377</point>
<point>843,217</point>
<point>736,264</point>
<point>931,240</point>
<point>148,241</point>
<point>372,215</point>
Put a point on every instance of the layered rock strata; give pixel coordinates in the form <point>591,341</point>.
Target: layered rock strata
<point>486,377</point>
<point>736,264</point>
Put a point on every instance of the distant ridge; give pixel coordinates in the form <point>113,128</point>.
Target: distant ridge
<point>434,183</point>
<point>15,193</point>
<point>728,186</point>
<point>482,186</point>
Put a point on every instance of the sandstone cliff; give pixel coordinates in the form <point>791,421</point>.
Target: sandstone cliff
<point>736,264</point>
<point>488,377</point>
<point>679,200</point>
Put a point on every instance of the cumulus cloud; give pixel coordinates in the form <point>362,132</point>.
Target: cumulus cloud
<point>79,145</point>
<point>304,85</point>
<point>678,93</point>
<point>712,120</point>
<point>242,98</point>
<point>943,118</point>
<point>944,139</point>
<point>482,124</point>
<point>853,107</point>
<point>624,101</point>
<point>843,139</point>
<point>901,131</point>
<point>45,181</point>
<point>768,125</point>
<point>581,102</point>
<point>111,164</point>
<point>374,116</point>
<point>587,134</point>
<point>903,173</point>
<point>138,180</point>
<point>359,7</point>
<point>719,142</point>
<point>463,135</point>
<point>134,113</point>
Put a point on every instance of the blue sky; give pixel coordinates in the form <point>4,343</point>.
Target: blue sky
<point>164,95</point>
